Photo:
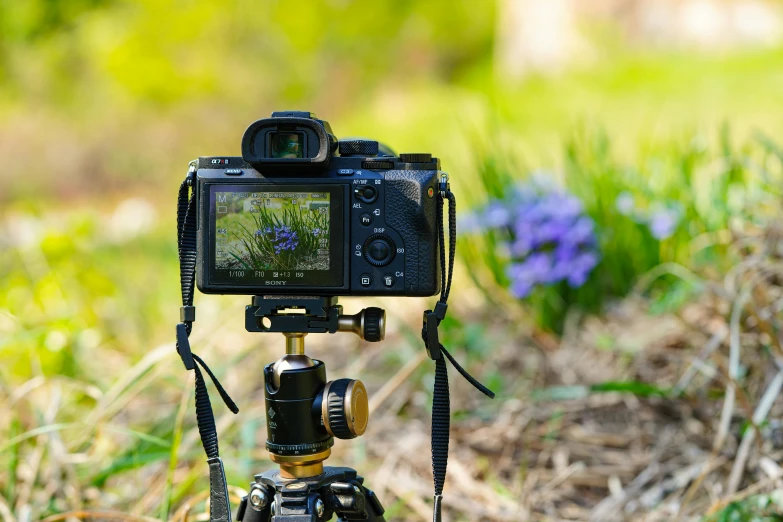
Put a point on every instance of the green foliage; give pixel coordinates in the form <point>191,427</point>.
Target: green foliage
<point>210,47</point>
<point>758,508</point>
<point>80,303</point>
<point>562,393</point>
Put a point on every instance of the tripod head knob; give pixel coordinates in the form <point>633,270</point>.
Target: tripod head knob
<point>374,324</point>
<point>345,408</point>
<point>369,324</point>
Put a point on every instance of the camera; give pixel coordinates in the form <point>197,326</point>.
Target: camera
<point>303,213</point>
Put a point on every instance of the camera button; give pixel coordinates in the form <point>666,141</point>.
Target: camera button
<point>365,280</point>
<point>345,172</point>
<point>388,280</point>
<point>379,250</point>
<point>366,219</point>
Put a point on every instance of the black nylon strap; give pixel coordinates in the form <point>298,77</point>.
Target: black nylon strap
<point>186,242</point>
<point>441,408</point>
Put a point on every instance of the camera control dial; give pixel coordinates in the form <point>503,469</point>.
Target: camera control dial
<point>379,250</point>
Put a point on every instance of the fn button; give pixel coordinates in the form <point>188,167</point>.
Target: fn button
<point>365,219</point>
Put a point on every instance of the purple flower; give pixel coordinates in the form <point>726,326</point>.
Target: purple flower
<point>663,223</point>
<point>265,232</point>
<point>624,203</point>
<point>582,232</point>
<point>316,231</point>
<point>550,238</point>
<point>552,230</point>
<point>581,266</point>
<point>497,215</point>
<point>521,288</point>
<point>285,239</point>
<point>548,235</point>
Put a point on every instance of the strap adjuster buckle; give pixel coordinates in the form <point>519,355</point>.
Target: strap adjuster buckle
<point>183,347</point>
<point>429,333</point>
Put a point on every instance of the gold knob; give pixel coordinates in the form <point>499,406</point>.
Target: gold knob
<point>345,408</point>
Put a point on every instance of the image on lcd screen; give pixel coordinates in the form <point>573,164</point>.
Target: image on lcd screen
<point>278,230</point>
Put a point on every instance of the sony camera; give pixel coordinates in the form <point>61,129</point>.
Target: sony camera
<point>303,213</point>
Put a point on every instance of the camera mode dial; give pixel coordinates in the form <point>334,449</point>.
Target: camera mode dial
<point>379,250</point>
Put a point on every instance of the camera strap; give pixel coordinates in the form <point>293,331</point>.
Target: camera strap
<point>441,409</point>
<point>219,509</point>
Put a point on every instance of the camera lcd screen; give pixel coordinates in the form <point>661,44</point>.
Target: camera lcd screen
<point>277,235</point>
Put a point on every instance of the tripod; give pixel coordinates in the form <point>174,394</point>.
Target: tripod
<point>305,413</point>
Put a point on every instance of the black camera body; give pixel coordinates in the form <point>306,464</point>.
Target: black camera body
<point>303,213</point>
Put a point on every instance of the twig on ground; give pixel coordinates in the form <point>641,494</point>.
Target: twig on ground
<point>759,416</point>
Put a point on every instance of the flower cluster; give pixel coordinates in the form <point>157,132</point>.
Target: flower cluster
<point>662,220</point>
<point>285,239</point>
<point>282,237</point>
<point>550,238</point>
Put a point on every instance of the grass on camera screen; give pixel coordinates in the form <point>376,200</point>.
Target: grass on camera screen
<point>278,230</point>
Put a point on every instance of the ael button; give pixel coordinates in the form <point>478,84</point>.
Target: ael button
<point>365,193</point>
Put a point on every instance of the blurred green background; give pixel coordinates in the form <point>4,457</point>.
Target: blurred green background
<point>648,389</point>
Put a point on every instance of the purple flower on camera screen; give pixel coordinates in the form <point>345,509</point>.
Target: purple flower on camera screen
<point>285,239</point>
<point>267,231</point>
<point>316,231</point>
